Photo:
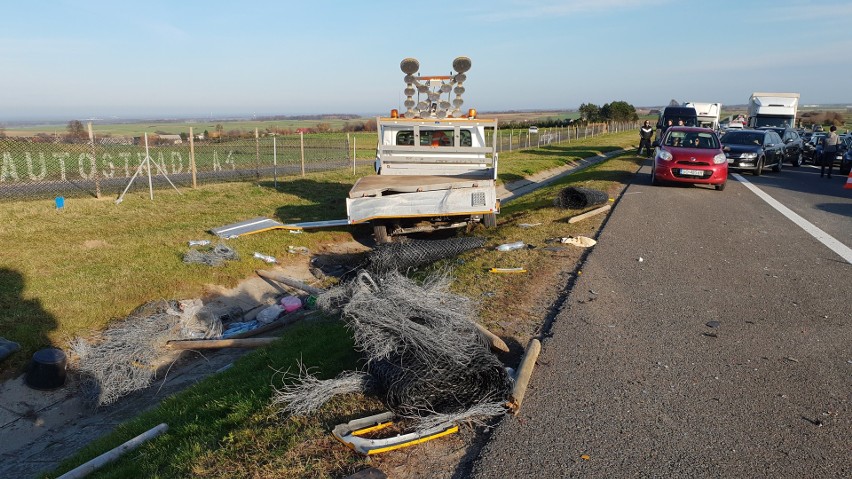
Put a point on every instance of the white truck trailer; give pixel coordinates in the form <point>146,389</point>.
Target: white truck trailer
<point>436,165</point>
<point>708,113</point>
<point>773,109</point>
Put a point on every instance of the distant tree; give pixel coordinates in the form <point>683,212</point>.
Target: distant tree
<point>184,136</point>
<point>370,125</point>
<point>323,127</point>
<point>206,134</point>
<point>590,112</point>
<point>76,130</point>
<point>619,111</point>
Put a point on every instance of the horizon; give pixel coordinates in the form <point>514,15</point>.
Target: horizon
<point>95,59</point>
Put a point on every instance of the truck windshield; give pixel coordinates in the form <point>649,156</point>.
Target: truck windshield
<point>777,121</point>
<point>433,138</point>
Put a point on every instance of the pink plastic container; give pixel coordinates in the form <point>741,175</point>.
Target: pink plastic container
<point>291,303</point>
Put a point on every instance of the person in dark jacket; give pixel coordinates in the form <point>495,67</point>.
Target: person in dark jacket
<point>645,134</point>
<point>830,147</point>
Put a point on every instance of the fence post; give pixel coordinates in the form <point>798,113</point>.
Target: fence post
<point>95,161</point>
<point>274,161</point>
<point>354,149</point>
<point>192,156</point>
<point>256,153</point>
<point>302,149</point>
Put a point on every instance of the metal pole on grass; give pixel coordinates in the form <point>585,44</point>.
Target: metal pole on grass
<point>354,147</point>
<point>256,153</point>
<point>148,165</point>
<point>302,148</point>
<point>274,162</point>
<point>192,156</point>
<point>94,163</point>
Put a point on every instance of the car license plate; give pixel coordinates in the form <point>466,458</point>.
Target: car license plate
<point>692,172</point>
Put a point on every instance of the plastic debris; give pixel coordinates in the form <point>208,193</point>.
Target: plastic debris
<point>511,246</point>
<point>581,241</point>
<point>291,303</point>
<point>298,250</point>
<point>713,324</point>
<point>270,314</point>
<point>265,257</point>
<point>7,348</point>
<point>199,242</point>
<point>528,225</point>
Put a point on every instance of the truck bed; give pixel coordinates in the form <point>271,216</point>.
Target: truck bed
<point>378,185</point>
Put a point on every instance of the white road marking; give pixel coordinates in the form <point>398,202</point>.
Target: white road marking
<point>841,249</point>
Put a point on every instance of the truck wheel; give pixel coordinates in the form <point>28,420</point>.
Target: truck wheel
<point>489,220</point>
<point>380,232</point>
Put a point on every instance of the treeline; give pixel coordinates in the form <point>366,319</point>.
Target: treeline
<point>825,118</point>
<point>615,111</point>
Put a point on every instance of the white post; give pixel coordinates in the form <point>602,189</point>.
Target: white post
<point>302,148</point>
<point>275,161</point>
<point>148,166</point>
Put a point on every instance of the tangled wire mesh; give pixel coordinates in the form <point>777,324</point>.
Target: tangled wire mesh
<point>215,256</point>
<point>410,254</point>
<point>425,356</point>
<point>127,357</point>
<point>578,198</point>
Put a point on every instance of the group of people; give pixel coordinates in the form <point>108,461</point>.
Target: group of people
<point>830,146</point>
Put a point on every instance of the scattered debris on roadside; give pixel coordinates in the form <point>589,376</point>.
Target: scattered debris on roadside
<point>413,253</point>
<point>427,360</point>
<point>576,198</point>
<point>215,256</point>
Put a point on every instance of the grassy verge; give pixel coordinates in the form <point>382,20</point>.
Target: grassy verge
<point>225,426</point>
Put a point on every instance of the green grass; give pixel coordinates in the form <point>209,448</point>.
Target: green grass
<point>225,426</point>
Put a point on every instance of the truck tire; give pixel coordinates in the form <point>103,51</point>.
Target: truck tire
<point>490,220</point>
<point>380,232</point>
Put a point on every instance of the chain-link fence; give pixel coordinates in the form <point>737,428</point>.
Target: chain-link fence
<point>512,140</point>
<point>45,167</point>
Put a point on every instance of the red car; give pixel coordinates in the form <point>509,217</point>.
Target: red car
<point>690,155</point>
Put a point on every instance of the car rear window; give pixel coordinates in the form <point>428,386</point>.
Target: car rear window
<point>742,138</point>
<point>691,139</point>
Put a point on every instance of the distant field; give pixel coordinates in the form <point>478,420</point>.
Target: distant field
<point>177,127</point>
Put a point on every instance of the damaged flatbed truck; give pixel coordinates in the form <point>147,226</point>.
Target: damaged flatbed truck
<point>436,165</point>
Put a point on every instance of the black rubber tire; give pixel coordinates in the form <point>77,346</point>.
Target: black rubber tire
<point>799,160</point>
<point>380,232</point>
<point>777,166</point>
<point>721,186</point>
<point>489,220</point>
<point>654,180</point>
<point>758,169</point>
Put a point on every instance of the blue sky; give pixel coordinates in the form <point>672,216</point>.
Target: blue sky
<point>83,59</point>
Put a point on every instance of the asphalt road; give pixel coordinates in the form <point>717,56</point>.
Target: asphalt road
<point>707,335</point>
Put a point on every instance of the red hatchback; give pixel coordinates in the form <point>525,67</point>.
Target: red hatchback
<point>690,155</point>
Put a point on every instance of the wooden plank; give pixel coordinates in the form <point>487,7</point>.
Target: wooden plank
<point>589,214</point>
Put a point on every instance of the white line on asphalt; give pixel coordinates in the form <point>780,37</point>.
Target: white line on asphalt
<point>841,249</point>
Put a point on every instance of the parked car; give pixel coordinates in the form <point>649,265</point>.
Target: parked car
<point>690,155</point>
<point>753,150</point>
<point>812,149</point>
<point>793,144</point>
<point>846,162</point>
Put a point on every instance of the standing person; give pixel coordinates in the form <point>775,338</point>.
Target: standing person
<point>645,134</point>
<point>830,145</point>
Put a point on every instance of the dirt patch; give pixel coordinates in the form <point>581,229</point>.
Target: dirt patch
<point>95,244</point>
